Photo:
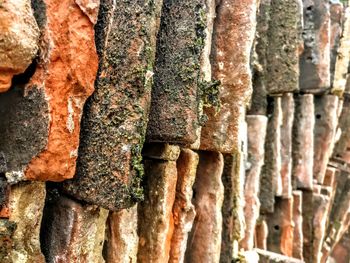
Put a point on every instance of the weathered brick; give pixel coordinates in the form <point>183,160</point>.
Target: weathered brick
<point>344,125</point>
<point>337,16</point>
<point>330,243</point>
<point>280,224</point>
<point>174,115</point>
<point>161,151</point>
<point>326,121</point>
<point>109,166</point>
<point>156,223</point>
<point>232,207</point>
<point>208,199</point>
<point>315,60</point>
<point>183,209</point>
<point>121,236</point>
<point>284,38</point>
<point>20,233</point>
<point>208,87</point>
<point>286,143</point>
<point>72,231</point>
<point>307,208</point>
<point>259,60</point>
<point>343,57</point>
<point>298,225</point>
<point>19,37</point>
<point>341,251</point>
<point>339,219</point>
<point>230,65</point>
<point>303,141</point>
<point>41,113</point>
<point>321,206</point>
<point>261,232</point>
<point>256,141</point>
<point>329,177</point>
<point>270,181</point>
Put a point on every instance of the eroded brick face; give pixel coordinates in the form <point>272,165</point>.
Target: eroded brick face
<point>41,113</point>
<point>19,40</point>
<point>156,131</point>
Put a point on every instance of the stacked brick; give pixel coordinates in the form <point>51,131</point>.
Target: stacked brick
<point>303,182</point>
<point>174,131</point>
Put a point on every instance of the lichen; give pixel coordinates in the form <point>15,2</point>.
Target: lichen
<point>115,117</point>
<point>175,108</point>
<point>209,92</point>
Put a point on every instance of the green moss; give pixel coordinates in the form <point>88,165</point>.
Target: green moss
<point>209,93</point>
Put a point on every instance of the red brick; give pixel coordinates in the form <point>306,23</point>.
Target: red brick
<point>337,16</point>
<point>121,236</point>
<point>298,225</point>
<point>256,152</point>
<point>303,141</point>
<point>208,199</point>
<point>19,34</point>
<point>262,232</point>
<point>281,227</point>
<point>232,208</point>
<point>321,206</point>
<point>286,144</point>
<point>270,181</point>
<point>156,223</point>
<point>183,209</point>
<point>230,65</point>
<point>72,231</point>
<point>326,121</point>
<point>343,57</point>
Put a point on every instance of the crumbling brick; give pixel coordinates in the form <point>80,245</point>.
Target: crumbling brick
<point>343,58</point>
